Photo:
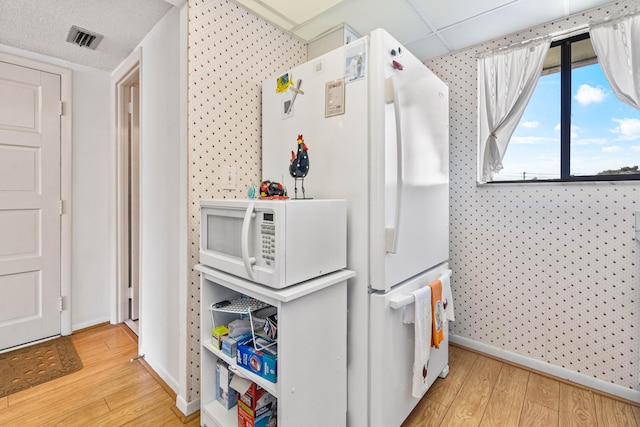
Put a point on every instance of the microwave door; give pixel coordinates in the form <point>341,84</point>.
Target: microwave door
<point>248,260</point>
<point>229,239</point>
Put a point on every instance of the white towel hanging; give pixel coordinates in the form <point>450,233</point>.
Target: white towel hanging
<point>422,336</point>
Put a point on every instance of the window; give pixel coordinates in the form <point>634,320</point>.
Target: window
<point>574,127</point>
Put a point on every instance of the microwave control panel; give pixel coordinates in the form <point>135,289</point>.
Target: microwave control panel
<point>268,233</point>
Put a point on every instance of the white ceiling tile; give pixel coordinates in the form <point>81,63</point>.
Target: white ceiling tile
<point>517,16</point>
<point>429,47</point>
<point>395,16</point>
<point>300,11</point>
<point>264,12</point>
<point>445,13</point>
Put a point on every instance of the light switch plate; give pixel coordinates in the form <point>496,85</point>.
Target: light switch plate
<point>228,178</point>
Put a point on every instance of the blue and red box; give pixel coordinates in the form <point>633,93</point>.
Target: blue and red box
<point>258,362</point>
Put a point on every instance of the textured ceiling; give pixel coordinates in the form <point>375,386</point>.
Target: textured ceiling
<point>42,26</point>
<point>428,28</point>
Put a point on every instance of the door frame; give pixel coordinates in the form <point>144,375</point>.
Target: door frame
<point>131,69</point>
<point>66,166</point>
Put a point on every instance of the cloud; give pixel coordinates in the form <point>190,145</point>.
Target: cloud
<point>532,140</point>
<point>628,129</point>
<point>531,124</point>
<point>588,94</point>
<point>635,148</point>
<point>589,141</point>
<point>611,149</point>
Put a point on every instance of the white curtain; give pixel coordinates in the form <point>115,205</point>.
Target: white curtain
<point>617,45</point>
<point>506,81</point>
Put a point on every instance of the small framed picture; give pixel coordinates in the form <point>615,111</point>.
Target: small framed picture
<point>334,98</point>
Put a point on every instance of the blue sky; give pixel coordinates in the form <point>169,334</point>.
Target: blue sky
<point>605,132</point>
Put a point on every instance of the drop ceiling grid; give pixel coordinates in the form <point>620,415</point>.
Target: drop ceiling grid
<point>448,13</point>
<point>544,271</point>
<point>396,16</point>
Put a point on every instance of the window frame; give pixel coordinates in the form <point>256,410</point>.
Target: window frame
<point>565,123</point>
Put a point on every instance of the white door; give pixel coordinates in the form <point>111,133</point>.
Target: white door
<point>29,205</point>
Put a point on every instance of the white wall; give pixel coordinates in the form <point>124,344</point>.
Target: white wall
<point>90,190</point>
<point>90,243</point>
<point>162,197</point>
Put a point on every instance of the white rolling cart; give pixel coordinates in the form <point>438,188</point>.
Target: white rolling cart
<point>311,385</point>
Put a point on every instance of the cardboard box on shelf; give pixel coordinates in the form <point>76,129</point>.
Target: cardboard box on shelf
<point>257,408</point>
<point>224,393</point>
<point>230,344</point>
<point>256,361</point>
<point>271,326</point>
<point>216,336</point>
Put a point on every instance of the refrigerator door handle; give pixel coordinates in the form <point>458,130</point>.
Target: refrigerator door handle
<point>392,232</point>
<point>246,223</point>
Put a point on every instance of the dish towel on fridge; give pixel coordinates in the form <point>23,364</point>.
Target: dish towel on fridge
<point>447,302</point>
<point>437,314</point>
<point>421,315</point>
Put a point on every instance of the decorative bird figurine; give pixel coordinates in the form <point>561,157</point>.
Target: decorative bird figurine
<point>299,166</point>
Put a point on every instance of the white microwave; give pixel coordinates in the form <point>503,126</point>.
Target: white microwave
<point>276,243</point>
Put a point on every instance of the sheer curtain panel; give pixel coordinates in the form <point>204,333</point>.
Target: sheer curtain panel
<point>506,81</point>
<point>617,45</point>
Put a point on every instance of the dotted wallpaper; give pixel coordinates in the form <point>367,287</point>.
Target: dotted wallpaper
<point>231,52</point>
<point>548,271</point>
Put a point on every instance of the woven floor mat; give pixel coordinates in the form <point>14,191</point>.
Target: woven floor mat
<point>36,364</point>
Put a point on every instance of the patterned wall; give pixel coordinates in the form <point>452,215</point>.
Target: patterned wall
<point>231,52</point>
<point>548,271</point>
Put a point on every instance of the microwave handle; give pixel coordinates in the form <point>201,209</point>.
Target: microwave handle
<point>248,260</point>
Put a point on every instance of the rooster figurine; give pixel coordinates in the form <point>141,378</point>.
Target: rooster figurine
<point>299,166</point>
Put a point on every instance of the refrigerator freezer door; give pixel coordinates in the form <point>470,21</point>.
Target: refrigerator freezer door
<point>409,203</point>
<point>392,354</point>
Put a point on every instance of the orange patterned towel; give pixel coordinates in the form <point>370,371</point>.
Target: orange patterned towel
<point>437,314</point>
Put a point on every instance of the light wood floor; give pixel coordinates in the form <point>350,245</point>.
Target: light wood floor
<point>108,391</point>
<point>479,391</point>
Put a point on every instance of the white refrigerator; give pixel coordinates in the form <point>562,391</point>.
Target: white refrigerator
<point>374,123</point>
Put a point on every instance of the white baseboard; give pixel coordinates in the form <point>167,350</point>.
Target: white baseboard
<point>162,373</point>
<point>556,371</point>
<point>187,408</point>
<point>94,322</point>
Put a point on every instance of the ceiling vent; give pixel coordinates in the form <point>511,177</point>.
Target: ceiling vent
<point>81,37</point>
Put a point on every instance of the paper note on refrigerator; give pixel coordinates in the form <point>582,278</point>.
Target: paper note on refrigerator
<point>334,98</point>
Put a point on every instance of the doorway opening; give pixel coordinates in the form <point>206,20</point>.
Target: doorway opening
<point>128,197</point>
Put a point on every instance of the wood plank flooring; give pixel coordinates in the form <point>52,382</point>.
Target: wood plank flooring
<point>479,391</point>
<point>482,391</point>
<point>109,390</point>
